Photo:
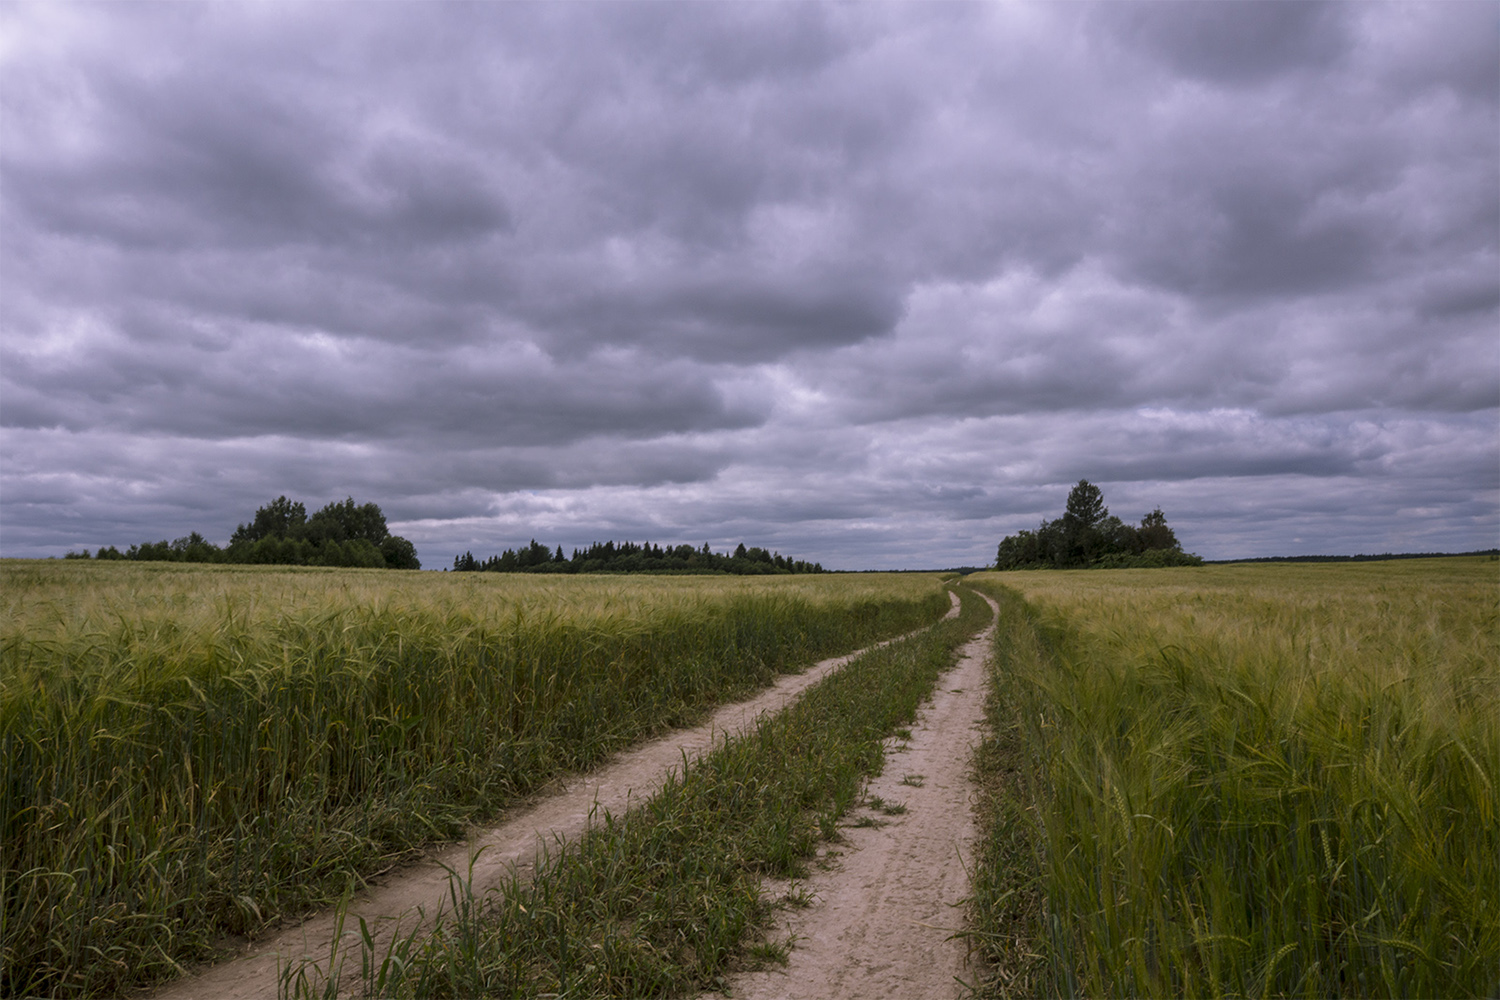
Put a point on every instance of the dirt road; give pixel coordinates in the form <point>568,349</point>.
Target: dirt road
<point>495,851</point>
<point>886,907</point>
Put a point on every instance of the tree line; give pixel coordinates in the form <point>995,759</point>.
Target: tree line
<point>343,533</point>
<point>1088,535</point>
<point>1382,557</point>
<point>628,557</point>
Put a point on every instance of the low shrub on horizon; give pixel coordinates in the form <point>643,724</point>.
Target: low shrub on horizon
<point>1089,536</point>
<point>341,534</point>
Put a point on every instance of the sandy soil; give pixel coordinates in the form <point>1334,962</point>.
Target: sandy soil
<point>413,897</point>
<point>888,901</point>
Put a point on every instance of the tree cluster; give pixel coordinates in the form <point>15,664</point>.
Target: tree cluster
<point>343,533</point>
<point>1088,535</point>
<point>628,557</point>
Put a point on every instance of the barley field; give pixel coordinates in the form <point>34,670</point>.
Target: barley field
<point>191,752</point>
<point>1253,780</point>
<point>670,898</point>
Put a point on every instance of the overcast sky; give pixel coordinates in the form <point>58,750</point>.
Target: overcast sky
<point>868,284</point>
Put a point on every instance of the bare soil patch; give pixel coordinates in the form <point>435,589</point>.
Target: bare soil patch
<point>412,898</point>
<point>887,902</point>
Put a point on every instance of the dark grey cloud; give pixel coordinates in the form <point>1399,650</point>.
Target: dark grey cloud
<point>1238,42</point>
<point>309,385</point>
<point>872,285</point>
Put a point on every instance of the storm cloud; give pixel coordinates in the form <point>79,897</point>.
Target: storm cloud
<point>869,284</point>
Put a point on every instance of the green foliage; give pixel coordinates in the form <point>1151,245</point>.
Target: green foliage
<point>399,553</point>
<point>1085,508</point>
<point>277,519</point>
<point>189,548</point>
<point>1087,535</point>
<point>194,548</point>
<point>628,557</point>
<point>1149,559</point>
<point>1155,535</point>
<point>347,521</point>
<point>343,534</point>
<point>1245,781</point>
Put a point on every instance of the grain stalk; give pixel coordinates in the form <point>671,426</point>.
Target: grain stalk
<point>666,900</point>
<point>1246,781</point>
<point>190,752</point>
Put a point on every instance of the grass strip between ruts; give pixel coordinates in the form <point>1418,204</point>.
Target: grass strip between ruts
<point>664,900</point>
<point>1006,905</point>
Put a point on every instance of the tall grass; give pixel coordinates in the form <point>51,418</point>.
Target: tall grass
<point>1249,781</point>
<point>194,751</point>
<point>664,900</point>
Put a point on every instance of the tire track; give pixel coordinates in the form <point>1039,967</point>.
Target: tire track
<point>413,898</point>
<point>885,911</point>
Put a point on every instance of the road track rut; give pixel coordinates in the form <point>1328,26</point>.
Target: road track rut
<point>412,898</point>
<point>887,906</point>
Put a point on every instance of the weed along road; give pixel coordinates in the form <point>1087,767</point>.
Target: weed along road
<point>411,900</point>
<point>888,903</point>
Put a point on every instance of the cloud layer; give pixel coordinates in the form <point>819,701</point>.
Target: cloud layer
<point>872,285</point>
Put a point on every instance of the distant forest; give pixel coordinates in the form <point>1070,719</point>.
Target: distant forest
<point>341,534</point>
<point>1089,536</point>
<point>628,557</point>
<point>1383,557</point>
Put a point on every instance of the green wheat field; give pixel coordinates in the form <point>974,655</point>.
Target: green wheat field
<point>190,752</point>
<point>1252,780</point>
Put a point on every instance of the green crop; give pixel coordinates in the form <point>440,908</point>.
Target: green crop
<point>665,900</point>
<point>1245,781</point>
<point>189,751</point>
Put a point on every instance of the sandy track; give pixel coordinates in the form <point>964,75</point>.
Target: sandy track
<point>884,911</point>
<point>562,814</point>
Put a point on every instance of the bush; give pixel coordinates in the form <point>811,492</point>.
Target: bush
<point>341,534</point>
<point>1087,535</point>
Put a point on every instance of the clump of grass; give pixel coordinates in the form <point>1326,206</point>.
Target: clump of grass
<point>880,805</point>
<point>1247,781</point>
<point>797,897</point>
<point>771,952</point>
<point>665,900</point>
<point>188,752</point>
